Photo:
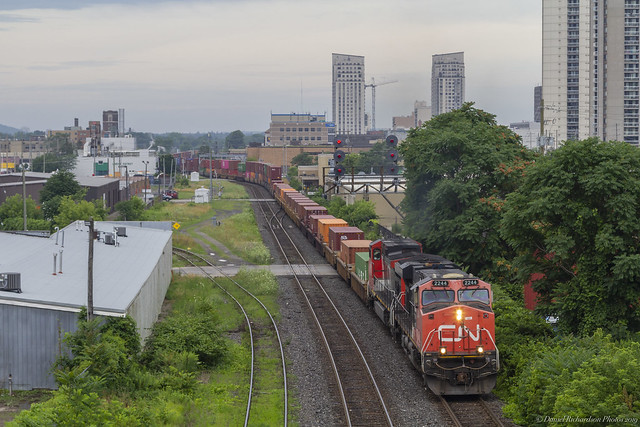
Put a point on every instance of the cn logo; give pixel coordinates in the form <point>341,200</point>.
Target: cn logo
<point>475,337</point>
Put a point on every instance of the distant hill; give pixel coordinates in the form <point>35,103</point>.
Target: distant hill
<point>8,129</point>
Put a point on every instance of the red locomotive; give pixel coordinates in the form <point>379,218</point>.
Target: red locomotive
<point>441,315</point>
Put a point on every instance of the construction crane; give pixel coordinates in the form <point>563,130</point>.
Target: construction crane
<point>373,86</point>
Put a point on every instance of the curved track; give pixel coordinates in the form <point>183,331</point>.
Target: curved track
<point>359,394</point>
<point>189,257</point>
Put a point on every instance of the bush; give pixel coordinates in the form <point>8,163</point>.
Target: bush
<point>195,332</point>
<point>578,377</point>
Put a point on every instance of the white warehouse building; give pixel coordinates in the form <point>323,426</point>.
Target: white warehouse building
<point>43,287</point>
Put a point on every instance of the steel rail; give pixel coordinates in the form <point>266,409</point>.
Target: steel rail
<point>181,254</point>
<point>322,333</point>
<point>273,322</point>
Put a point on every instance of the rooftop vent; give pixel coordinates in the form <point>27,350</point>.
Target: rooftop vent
<point>109,239</point>
<point>10,282</point>
<point>121,231</point>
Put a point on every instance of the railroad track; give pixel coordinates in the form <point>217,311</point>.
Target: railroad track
<point>469,411</point>
<point>196,260</point>
<point>358,392</point>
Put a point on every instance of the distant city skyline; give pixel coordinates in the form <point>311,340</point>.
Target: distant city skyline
<point>218,65</point>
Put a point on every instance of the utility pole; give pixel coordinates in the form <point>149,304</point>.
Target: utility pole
<point>24,200</point>
<point>90,271</point>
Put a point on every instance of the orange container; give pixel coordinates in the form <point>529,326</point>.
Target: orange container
<point>325,224</point>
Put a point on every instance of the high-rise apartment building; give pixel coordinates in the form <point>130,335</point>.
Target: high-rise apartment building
<point>590,69</point>
<point>348,94</point>
<point>447,82</point>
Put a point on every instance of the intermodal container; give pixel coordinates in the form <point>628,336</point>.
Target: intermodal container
<point>349,249</point>
<point>313,221</point>
<point>325,224</point>
<point>338,234</point>
<point>362,266</point>
<point>312,210</point>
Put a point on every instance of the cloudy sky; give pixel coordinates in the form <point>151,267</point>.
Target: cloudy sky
<point>222,65</point>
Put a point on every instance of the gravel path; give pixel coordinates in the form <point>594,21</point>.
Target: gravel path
<point>409,403</point>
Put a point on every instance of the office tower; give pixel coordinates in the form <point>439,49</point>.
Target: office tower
<point>447,82</point>
<point>590,69</point>
<point>537,97</point>
<point>348,94</point>
<point>110,123</point>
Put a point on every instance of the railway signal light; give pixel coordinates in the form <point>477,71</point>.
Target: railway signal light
<point>338,156</point>
<point>338,171</point>
<point>338,142</point>
<point>392,141</point>
<point>392,155</point>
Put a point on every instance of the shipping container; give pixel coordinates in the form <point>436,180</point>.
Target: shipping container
<point>325,224</point>
<point>313,220</point>
<point>362,266</point>
<point>312,210</point>
<point>349,248</point>
<point>300,209</point>
<point>338,234</point>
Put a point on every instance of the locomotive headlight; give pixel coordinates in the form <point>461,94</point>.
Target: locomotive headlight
<point>443,350</point>
<point>480,349</point>
<point>459,315</point>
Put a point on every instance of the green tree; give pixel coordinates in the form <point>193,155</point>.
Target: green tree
<point>235,139</point>
<point>303,159</point>
<point>131,210</point>
<point>70,210</point>
<point>575,219</point>
<point>165,162</point>
<point>62,183</point>
<point>11,215</point>
<point>51,162</point>
<point>459,167</point>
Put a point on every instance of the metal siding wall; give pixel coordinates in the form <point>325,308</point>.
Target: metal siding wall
<point>29,345</point>
<point>147,305</point>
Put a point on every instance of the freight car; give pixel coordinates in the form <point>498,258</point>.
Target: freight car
<point>440,315</point>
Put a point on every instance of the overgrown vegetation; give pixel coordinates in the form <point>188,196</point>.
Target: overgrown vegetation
<point>191,371</point>
<point>240,234</point>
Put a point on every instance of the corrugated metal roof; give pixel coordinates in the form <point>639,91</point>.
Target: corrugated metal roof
<point>118,271</point>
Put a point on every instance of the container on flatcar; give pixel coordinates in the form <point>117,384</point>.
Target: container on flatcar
<point>325,224</point>
<point>362,266</point>
<point>349,249</point>
<point>338,234</point>
<point>313,220</point>
<point>274,173</point>
<point>301,211</point>
<point>312,210</point>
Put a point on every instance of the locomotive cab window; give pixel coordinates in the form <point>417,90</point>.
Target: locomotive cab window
<point>376,254</point>
<point>474,295</point>
<point>432,296</point>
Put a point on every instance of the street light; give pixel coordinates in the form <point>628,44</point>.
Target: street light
<point>146,163</point>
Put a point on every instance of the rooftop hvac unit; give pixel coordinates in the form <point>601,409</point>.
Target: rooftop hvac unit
<point>121,231</point>
<point>109,239</point>
<point>10,282</point>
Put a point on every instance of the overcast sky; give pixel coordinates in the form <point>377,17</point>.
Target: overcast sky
<point>222,65</point>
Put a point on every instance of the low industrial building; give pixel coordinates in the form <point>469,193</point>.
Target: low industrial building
<point>44,285</point>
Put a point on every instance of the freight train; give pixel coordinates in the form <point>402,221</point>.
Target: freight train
<point>440,315</point>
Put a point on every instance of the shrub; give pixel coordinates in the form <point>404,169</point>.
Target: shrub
<point>196,332</point>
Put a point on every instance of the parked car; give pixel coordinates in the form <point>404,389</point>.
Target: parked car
<point>173,194</point>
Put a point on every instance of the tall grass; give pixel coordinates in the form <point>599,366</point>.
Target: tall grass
<point>240,234</point>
